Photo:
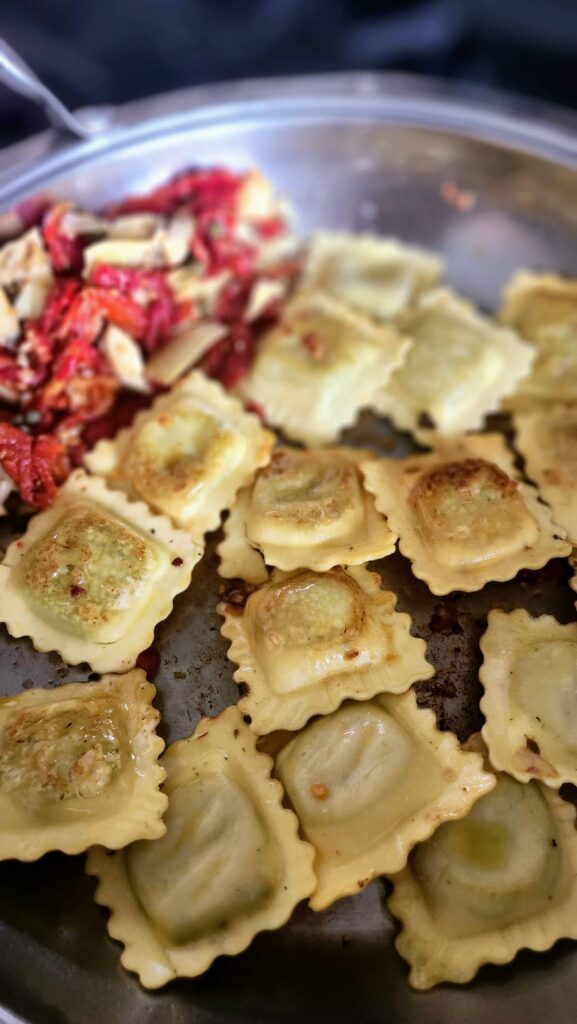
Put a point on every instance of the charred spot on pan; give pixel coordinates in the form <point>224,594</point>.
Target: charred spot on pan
<point>425,421</point>
<point>235,593</point>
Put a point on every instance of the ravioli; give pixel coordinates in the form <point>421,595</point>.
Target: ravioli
<point>93,575</point>
<point>459,368</point>
<point>462,515</point>
<point>530,679</point>
<point>482,888</point>
<point>306,641</point>
<point>379,276</point>
<point>543,309</point>
<point>319,366</point>
<point>547,440</point>
<point>306,509</point>
<point>78,766</point>
<point>230,865</point>
<point>188,455</point>
<point>370,781</point>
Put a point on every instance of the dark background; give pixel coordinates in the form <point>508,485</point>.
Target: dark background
<point>106,51</point>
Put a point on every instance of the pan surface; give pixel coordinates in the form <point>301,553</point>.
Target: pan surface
<point>360,153</point>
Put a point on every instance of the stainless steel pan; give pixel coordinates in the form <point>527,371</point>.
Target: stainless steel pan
<point>362,152</point>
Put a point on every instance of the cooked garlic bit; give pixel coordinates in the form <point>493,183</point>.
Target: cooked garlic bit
<point>306,641</point>
<point>529,675</point>
<point>319,366</point>
<point>502,879</point>
<point>78,766</point>
<point>389,778</point>
<point>230,865</point>
<point>462,515</point>
<point>125,358</point>
<point>26,270</point>
<point>188,455</point>
<point>459,368</point>
<point>93,575</point>
<point>306,509</point>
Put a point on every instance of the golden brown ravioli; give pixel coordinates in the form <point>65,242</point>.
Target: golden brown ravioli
<point>78,766</point>
<point>462,515</point>
<point>93,575</point>
<point>482,888</point>
<point>229,866</point>
<point>188,455</point>
<point>306,509</point>
<point>319,366</point>
<point>370,781</point>
<point>305,641</point>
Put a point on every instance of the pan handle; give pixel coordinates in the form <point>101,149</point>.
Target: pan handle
<point>18,76</point>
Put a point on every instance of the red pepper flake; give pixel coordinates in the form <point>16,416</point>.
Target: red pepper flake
<point>319,791</point>
<point>76,590</point>
<point>258,410</point>
<point>314,344</point>
<point>350,655</point>
<point>149,661</point>
<point>177,561</point>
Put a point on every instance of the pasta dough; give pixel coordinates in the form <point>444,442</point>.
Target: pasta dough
<point>530,703</point>
<point>547,441</point>
<point>378,276</point>
<point>188,455</point>
<point>482,888</point>
<point>78,766</point>
<point>306,641</point>
<point>319,366</point>
<point>93,575</point>
<point>543,309</point>
<point>370,781</point>
<point>306,509</point>
<point>462,515</point>
<point>230,865</point>
<point>459,368</point>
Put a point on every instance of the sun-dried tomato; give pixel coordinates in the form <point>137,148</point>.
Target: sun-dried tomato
<point>91,307</point>
<point>36,465</point>
<point>31,211</point>
<point>200,190</point>
<point>65,249</point>
<point>158,308</point>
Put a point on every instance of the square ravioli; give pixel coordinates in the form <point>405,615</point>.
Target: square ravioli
<point>543,309</point>
<point>459,368</point>
<point>319,366</point>
<point>462,515</point>
<point>502,879</point>
<point>188,455</point>
<point>529,675</point>
<point>370,781</point>
<point>78,766</point>
<point>93,575</point>
<point>305,510</point>
<point>379,276</point>
<point>230,865</point>
<point>305,641</point>
<point>547,440</point>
